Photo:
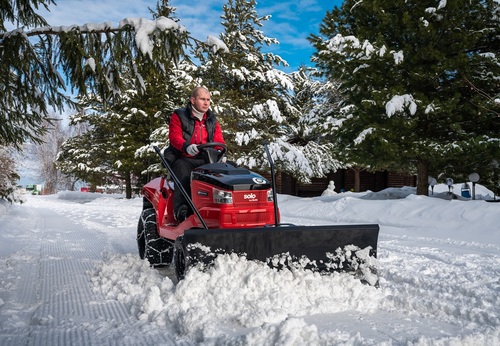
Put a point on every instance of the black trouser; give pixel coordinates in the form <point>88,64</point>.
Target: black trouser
<point>182,168</point>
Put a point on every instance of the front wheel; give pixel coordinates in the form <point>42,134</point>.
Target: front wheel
<point>180,258</point>
<point>157,250</point>
<point>141,241</point>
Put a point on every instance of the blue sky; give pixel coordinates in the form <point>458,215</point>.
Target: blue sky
<point>291,22</point>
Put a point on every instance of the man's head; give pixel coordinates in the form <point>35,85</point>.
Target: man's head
<point>200,99</point>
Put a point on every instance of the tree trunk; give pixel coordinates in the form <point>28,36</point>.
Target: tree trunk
<point>49,188</point>
<point>128,186</point>
<point>422,177</point>
<point>357,178</point>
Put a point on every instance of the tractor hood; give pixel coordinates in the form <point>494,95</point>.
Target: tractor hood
<point>228,177</point>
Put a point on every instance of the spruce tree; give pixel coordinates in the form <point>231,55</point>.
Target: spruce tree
<point>86,155</point>
<point>315,121</point>
<point>253,99</point>
<point>418,80</point>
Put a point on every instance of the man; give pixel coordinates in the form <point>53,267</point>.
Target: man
<point>188,128</point>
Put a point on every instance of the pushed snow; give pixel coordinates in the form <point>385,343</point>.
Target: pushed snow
<point>70,274</point>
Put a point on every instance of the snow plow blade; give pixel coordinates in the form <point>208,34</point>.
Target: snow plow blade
<point>325,249</point>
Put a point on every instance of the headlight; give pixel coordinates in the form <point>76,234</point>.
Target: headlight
<point>270,195</point>
<point>222,197</point>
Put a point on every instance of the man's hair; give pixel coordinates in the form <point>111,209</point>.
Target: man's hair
<point>196,90</point>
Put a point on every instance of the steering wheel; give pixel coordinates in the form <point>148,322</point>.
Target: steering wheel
<point>213,155</point>
<point>213,145</point>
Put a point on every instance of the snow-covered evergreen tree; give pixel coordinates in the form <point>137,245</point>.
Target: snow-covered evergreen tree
<point>419,80</point>
<point>86,155</point>
<point>316,100</point>
<point>254,100</point>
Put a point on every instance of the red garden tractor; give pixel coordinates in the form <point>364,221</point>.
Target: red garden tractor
<point>235,211</point>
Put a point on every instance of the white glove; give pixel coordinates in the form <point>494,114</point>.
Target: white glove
<point>192,149</point>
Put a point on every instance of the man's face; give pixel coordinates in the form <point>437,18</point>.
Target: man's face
<point>202,101</point>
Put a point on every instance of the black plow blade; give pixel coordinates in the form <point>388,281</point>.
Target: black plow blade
<point>325,249</point>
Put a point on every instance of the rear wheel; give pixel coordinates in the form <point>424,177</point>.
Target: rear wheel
<point>180,258</point>
<point>157,250</point>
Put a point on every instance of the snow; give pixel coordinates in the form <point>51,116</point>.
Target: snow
<point>70,274</point>
<point>330,189</point>
<point>144,27</point>
<point>362,136</point>
<point>216,44</point>
<point>398,103</point>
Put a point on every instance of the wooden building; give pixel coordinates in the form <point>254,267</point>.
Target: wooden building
<point>344,181</point>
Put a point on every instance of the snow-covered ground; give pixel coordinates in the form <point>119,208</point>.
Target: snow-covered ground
<point>70,275</point>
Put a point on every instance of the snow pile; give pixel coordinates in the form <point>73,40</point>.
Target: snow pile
<point>234,292</point>
<point>85,196</point>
